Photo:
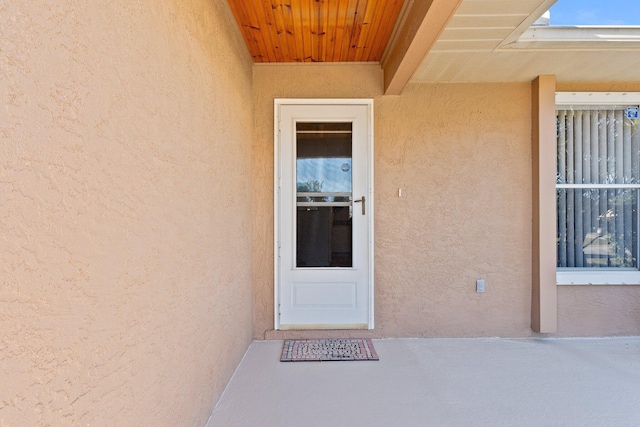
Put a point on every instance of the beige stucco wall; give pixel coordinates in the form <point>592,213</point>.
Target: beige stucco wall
<point>598,310</point>
<point>125,210</point>
<point>289,81</point>
<point>461,153</point>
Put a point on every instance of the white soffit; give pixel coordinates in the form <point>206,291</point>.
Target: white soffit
<point>493,41</point>
<point>486,24</point>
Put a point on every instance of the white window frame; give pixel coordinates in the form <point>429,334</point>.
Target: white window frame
<point>593,276</point>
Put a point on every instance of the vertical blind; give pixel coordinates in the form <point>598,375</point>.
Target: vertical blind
<point>597,184</point>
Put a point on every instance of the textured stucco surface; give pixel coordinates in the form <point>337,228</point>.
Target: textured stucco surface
<point>598,310</point>
<point>289,81</point>
<point>125,210</point>
<point>461,153</point>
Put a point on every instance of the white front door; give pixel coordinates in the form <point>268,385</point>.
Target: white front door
<point>324,214</point>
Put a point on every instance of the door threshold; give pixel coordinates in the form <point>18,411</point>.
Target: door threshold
<point>321,334</point>
<point>352,326</point>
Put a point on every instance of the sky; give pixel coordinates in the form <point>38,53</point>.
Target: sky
<point>596,12</point>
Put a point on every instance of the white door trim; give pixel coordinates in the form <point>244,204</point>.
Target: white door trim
<point>278,102</point>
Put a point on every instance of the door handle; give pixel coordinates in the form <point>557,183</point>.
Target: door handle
<point>363,204</point>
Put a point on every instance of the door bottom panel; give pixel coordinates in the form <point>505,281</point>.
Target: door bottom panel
<point>324,295</point>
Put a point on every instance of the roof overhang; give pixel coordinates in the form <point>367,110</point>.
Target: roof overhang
<point>494,41</point>
<point>439,40</point>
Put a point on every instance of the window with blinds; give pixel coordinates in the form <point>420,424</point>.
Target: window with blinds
<point>597,185</point>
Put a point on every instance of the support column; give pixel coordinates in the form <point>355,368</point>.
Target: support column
<point>544,298</point>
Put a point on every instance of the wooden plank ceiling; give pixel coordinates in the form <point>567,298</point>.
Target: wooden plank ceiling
<point>316,30</point>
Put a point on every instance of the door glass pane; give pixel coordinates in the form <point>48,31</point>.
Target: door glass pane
<point>323,195</point>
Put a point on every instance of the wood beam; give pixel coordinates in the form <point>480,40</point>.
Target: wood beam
<point>419,29</point>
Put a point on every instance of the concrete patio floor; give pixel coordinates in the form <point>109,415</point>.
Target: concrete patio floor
<point>441,382</point>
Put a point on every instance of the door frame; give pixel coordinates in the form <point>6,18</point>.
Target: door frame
<point>278,102</point>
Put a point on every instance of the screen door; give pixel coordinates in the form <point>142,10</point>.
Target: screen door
<point>325,211</point>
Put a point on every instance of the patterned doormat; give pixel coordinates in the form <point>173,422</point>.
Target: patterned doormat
<point>328,350</point>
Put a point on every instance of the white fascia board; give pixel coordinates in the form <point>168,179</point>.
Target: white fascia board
<point>577,38</point>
